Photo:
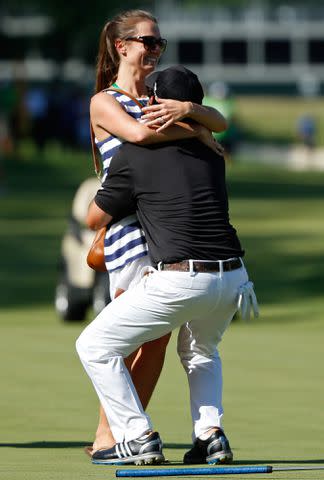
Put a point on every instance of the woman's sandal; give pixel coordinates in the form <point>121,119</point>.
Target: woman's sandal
<point>90,450</point>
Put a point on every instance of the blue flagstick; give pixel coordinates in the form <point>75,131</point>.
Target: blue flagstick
<point>164,472</point>
<point>169,472</point>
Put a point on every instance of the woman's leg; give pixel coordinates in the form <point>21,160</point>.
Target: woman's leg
<point>145,366</point>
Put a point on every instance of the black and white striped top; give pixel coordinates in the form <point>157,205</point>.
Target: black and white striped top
<point>125,240</point>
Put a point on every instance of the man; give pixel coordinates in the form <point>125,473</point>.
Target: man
<point>178,191</point>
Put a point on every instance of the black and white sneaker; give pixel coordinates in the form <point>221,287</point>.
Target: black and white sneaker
<point>146,450</point>
<point>216,449</point>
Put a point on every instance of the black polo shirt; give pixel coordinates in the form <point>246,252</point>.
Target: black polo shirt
<point>179,194</point>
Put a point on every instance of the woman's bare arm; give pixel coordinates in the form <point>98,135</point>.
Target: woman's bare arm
<point>109,117</point>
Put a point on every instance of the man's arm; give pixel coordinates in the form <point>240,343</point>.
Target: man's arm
<point>96,217</point>
<point>114,200</point>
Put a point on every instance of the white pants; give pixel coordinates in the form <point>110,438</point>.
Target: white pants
<point>203,303</point>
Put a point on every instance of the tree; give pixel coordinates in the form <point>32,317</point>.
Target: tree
<point>77,24</point>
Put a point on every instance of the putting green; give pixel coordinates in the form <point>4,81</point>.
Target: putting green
<point>273,391</point>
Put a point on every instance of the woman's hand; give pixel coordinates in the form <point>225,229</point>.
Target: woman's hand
<point>165,113</point>
<point>207,138</point>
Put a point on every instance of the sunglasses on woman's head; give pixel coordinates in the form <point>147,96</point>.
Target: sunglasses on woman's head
<point>150,43</point>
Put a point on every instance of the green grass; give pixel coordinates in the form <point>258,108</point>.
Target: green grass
<point>278,215</point>
<point>274,118</point>
<point>273,394</point>
<point>273,374</point>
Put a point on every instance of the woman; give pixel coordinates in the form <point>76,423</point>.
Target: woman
<point>130,47</point>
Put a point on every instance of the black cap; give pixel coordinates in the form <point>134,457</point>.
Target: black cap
<point>177,83</point>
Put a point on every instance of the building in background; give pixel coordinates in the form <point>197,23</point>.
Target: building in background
<point>259,48</point>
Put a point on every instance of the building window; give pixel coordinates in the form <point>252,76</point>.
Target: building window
<point>234,51</point>
<point>12,48</point>
<point>190,51</point>
<point>277,52</point>
<point>316,51</point>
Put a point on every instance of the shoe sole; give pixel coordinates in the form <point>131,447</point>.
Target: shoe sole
<point>220,457</point>
<point>145,459</point>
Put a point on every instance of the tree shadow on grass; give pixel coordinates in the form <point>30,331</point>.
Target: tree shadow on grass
<point>267,183</point>
<point>176,446</point>
<point>75,444</point>
<point>268,189</point>
<point>280,273</point>
<point>47,444</point>
<point>43,193</point>
<point>237,463</point>
<point>30,267</point>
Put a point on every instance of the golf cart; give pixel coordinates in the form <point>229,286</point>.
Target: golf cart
<point>79,287</point>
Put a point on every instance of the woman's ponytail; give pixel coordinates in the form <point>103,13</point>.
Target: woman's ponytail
<point>108,59</point>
